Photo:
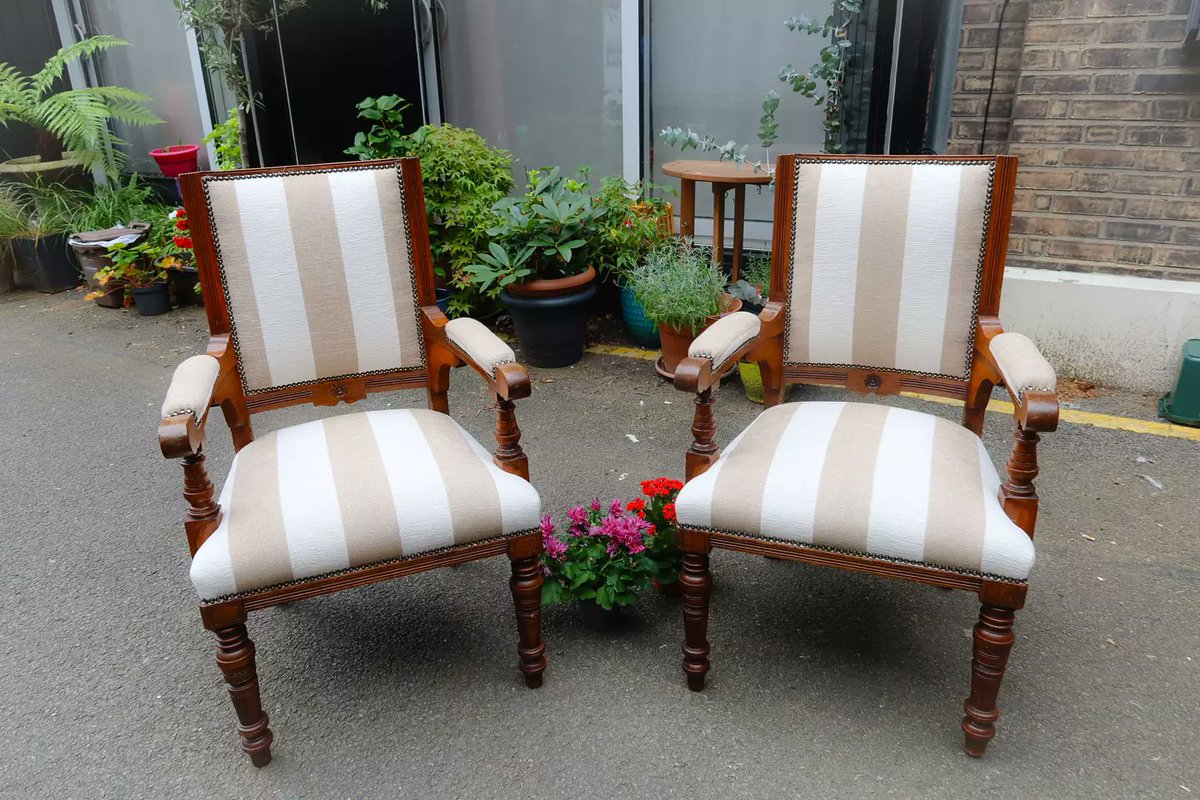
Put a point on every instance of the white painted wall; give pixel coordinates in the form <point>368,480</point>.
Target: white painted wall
<point>1113,330</point>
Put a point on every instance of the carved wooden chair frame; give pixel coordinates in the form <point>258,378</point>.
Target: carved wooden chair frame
<point>1034,412</point>
<point>183,437</point>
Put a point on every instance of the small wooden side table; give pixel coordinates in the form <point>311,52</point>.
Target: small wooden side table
<point>723,175</point>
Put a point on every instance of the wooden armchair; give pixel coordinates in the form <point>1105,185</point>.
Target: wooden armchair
<point>319,288</point>
<point>886,277</point>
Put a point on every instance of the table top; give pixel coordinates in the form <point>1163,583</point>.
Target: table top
<point>717,171</point>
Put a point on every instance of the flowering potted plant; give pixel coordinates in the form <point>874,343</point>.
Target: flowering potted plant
<point>182,276</point>
<point>537,262</point>
<point>659,510</point>
<point>142,269</point>
<point>602,561</point>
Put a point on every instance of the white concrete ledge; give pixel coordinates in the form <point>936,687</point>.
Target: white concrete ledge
<point>1113,330</point>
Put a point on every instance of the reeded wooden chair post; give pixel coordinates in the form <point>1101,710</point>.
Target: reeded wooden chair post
<point>886,277</point>
<point>301,312</point>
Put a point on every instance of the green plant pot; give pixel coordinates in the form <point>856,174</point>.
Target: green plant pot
<point>641,329</point>
<point>752,382</point>
<point>1182,405</point>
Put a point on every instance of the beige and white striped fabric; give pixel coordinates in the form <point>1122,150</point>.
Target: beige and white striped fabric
<point>864,478</point>
<point>354,490</point>
<point>886,264</point>
<point>318,274</point>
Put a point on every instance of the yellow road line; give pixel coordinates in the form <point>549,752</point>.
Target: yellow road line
<point>1071,415</point>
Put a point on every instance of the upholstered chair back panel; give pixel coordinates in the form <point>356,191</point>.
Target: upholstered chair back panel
<point>317,269</point>
<point>886,264</point>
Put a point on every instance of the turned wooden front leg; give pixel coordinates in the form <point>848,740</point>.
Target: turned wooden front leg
<point>695,583</point>
<point>203,512</point>
<point>993,641</point>
<point>526,584</point>
<point>509,456</point>
<point>235,656</point>
<point>1017,494</point>
<point>703,452</point>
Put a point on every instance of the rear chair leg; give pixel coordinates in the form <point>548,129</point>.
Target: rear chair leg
<point>235,656</point>
<point>696,583</point>
<point>526,586</point>
<point>993,641</point>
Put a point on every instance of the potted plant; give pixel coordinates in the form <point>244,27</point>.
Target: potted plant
<point>142,269</point>
<point>463,178</point>
<point>183,279</point>
<point>683,292</point>
<point>176,159</point>
<point>537,262</point>
<point>116,212</point>
<point>753,289</point>
<point>630,222</point>
<point>40,219</point>
<point>72,125</point>
<point>602,561</point>
<point>659,510</point>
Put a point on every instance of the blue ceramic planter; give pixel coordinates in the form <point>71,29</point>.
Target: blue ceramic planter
<point>640,328</point>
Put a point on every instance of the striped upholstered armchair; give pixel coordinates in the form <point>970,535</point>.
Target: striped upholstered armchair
<point>885,278</point>
<point>319,288</point>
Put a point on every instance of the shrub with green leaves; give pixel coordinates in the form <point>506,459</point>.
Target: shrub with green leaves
<point>678,285</point>
<point>121,203</point>
<point>225,140</point>
<point>630,221</point>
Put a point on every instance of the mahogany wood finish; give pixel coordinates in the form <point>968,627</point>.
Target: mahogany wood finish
<point>182,437</point>
<point>1033,412</point>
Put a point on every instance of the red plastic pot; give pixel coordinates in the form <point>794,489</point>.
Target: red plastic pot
<point>176,159</point>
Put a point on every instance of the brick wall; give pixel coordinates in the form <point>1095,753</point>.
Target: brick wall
<point>1100,103</point>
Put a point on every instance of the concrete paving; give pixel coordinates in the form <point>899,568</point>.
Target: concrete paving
<point>824,683</point>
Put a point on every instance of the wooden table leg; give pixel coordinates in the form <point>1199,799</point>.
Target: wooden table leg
<point>718,236</point>
<point>687,208</point>
<point>739,224</point>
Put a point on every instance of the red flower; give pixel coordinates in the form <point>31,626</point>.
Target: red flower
<point>181,224</point>
<point>661,487</point>
<point>638,505</point>
<point>184,242</point>
<point>180,213</point>
<point>669,512</point>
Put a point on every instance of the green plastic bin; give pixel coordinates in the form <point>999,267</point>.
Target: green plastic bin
<point>1183,404</point>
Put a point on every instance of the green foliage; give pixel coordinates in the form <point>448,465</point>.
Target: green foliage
<point>224,139</point>
<point>385,138</point>
<point>463,178</point>
<point>541,234</point>
<point>678,285</point>
<point>78,118</point>
<point>630,221</point>
<point>822,83</point>
<point>35,210</point>
<point>755,284</point>
<point>119,204</point>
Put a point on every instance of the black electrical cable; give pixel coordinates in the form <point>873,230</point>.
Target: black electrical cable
<point>987,107</point>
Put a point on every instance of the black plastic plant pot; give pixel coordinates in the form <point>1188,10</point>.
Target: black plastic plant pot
<point>46,263</point>
<point>183,285</point>
<point>551,330</point>
<point>596,618</point>
<point>151,300</point>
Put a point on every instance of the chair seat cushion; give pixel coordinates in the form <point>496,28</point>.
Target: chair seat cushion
<point>354,490</point>
<point>866,479</point>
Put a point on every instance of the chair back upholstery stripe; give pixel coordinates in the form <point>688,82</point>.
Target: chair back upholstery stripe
<point>886,263</point>
<point>317,268</point>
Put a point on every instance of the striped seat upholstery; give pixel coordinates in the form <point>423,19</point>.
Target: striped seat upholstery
<point>886,264</point>
<point>866,479</point>
<point>318,274</point>
<point>355,490</point>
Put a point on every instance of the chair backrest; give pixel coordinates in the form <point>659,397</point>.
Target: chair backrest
<point>322,269</point>
<point>887,262</point>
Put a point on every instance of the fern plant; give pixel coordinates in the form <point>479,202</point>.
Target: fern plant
<point>75,119</point>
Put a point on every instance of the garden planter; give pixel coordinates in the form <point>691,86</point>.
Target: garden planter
<point>675,342</point>
<point>596,618</point>
<point>46,264</point>
<point>640,327</point>
<point>67,170</point>
<point>751,376</point>
<point>550,317</point>
<point>176,159</point>
<point>183,283</point>
<point>151,300</point>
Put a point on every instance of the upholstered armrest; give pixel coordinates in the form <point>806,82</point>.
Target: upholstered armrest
<point>1014,360</point>
<point>483,347</point>
<point>724,338</point>
<point>191,387</point>
<point>1021,364</point>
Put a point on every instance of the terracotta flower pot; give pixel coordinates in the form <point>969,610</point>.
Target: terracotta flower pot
<point>675,341</point>
<point>176,159</point>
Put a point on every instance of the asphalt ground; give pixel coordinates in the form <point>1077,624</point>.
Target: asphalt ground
<point>824,683</point>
